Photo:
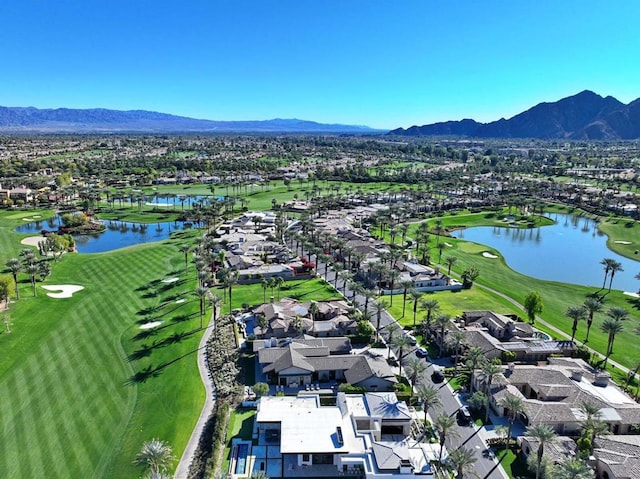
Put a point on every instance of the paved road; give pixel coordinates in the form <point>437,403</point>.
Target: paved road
<point>470,436</point>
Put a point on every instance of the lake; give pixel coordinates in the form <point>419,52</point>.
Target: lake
<point>119,234</point>
<point>569,251</point>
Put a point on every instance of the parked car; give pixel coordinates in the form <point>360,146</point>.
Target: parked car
<point>412,340</point>
<point>464,416</point>
<point>437,377</point>
<point>422,353</point>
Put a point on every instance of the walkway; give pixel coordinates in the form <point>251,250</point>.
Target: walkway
<point>182,471</point>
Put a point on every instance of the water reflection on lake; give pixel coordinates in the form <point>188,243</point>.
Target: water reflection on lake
<point>119,234</point>
<point>569,251</point>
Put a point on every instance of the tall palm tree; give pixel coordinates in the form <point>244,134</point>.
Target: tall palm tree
<point>543,435</point>
<point>392,329</point>
<point>488,374</point>
<point>442,320</point>
<point>15,267</point>
<point>378,306</point>
<point>513,406</point>
<point>215,301</point>
<point>401,343</point>
<point>155,454</point>
<point>415,367</point>
<point>229,281</point>
<point>473,358</point>
<point>462,460</point>
<point>573,469</point>
<point>611,327</point>
<point>406,286</point>
<point>615,267</point>
<point>430,398</point>
<point>458,339</point>
<point>576,313</point>
<point>201,293</point>
<point>446,427</point>
<point>415,297</point>
<point>606,263</point>
<point>392,275</point>
<point>32,270</point>
<point>431,306</point>
<point>618,313</point>
<point>185,248</point>
<point>592,424</point>
<point>450,261</point>
<point>592,305</point>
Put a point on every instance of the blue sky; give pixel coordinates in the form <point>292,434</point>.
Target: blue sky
<point>382,63</point>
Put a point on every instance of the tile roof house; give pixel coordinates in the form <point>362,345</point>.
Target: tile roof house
<point>617,457</point>
<point>298,362</point>
<point>553,395</point>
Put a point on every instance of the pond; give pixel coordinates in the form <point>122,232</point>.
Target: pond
<point>119,234</point>
<point>569,251</point>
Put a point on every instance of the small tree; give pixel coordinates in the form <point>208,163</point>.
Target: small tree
<point>533,305</point>
<point>468,276</point>
<point>260,389</point>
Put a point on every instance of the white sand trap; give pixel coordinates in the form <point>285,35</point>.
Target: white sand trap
<point>183,300</point>
<point>622,242</point>
<point>448,244</point>
<point>170,280</point>
<point>486,254</point>
<point>633,295</point>
<point>27,219</point>
<point>66,290</point>
<point>36,216</point>
<point>32,240</point>
<point>151,325</point>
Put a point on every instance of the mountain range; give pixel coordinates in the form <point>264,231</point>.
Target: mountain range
<point>99,120</point>
<point>586,115</point>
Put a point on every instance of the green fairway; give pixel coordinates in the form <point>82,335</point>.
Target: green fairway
<point>82,386</point>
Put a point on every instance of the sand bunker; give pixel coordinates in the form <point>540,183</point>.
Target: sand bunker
<point>66,290</point>
<point>183,300</point>
<point>633,295</point>
<point>170,280</point>
<point>151,325</point>
<point>486,254</point>
<point>622,242</point>
<point>447,244</point>
<point>32,240</point>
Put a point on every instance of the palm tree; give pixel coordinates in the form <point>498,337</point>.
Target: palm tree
<point>201,293</point>
<point>279,283</point>
<point>215,301</point>
<point>513,406</point>
<point>442,320</point>
<point>155,454</point>
<point>378,306</point>
<point>611,327</point>
<point>265,287</point>
<point>415,297</point>
<point>415,368</point>
<point>392,329</point>
<point>430,398</point>
<point>431,306</point>
<point>393,276</point>
<point>543,434</point>
<point>446,427</point>
<point>229,281</point>
<point>618,313</point>
<point>606,263</point>
<point>15,267</point>
<point>406,286</point>
<point>488,374</point>
<point>573,469</point>
<point>450,261</point>
<point>592,424</point>
<point>400,342</point>
<point>185,248</point>
<point>592,305</point>
<point>32,270</point>
<point>576,313</point>
<point>457,341</point>
<point>462,460</point>
<point>615,266</point>
<point>473,358</point>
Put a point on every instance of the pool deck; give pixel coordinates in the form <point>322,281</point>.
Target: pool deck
<point>249,458</point>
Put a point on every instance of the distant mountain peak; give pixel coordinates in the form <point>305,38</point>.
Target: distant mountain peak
<point>102,120</point>
<point>585,115</point>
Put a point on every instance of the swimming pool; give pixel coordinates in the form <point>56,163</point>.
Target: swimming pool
<point>242,450</point>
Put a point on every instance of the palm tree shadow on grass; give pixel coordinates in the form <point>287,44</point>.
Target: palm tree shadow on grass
<point>151,372</point>
<point>143,352</point>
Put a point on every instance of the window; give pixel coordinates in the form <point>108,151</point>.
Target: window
<point>305,458</point>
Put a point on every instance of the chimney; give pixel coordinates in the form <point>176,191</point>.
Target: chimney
<point>271,299</point>
<point>576,375</point>
<point>602,379</point>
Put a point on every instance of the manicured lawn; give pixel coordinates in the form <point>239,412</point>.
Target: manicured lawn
<point>557,297</point>
<point>451,303</point>
<point>81,385</point>
<point>513,464</point>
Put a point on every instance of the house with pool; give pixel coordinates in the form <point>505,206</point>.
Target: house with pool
<point>362,435</point>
